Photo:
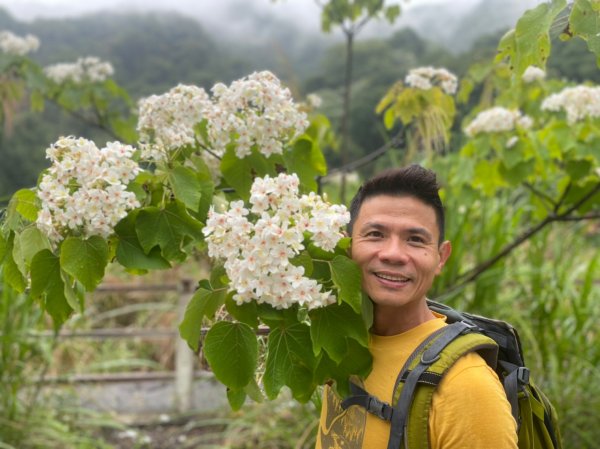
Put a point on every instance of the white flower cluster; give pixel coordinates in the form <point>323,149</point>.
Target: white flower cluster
<point>426,77</point>
<point>12,44</point>
<point>314,101</point>
<point>166,122</point>
<point>254,111</point>
<point>578,102</point>
<point>89,69</point>
<point>497,119</point>
<point>533,73</point>
<point>84,191</point>
<point>257,244</point>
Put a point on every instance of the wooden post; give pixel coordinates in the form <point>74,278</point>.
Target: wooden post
<point>184,356</point>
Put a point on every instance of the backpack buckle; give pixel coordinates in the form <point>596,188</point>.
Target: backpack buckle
<point>523,375</point>
<point>379,408</point>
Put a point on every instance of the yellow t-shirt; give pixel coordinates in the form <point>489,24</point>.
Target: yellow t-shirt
<point>469,408</point>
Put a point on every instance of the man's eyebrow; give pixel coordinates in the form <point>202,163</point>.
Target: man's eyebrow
<point>420,231</point>
<point>414,230</point>
<point>373,225</point>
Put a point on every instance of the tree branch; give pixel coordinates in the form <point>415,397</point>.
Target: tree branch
<point>475,272</point>
<point>84,119</point>
<point>542,195</point>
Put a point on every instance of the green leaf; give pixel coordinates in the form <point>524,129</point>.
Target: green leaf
<point>204,303</point>
<point>347,277</point>
<point>357,361</point>
<point>518,173</point>
<point>85,259</point>
<point>578,168</point>
<point>129,251</point>
<point>32,240</point>
<point>3,246</point>
<point>290,361</point>
<point>307,161</point>
<point>532,39</point>
<point>231,350</point>
<point>46,281</point>
<point>24,202</point>
<point>166,228</point>
<point>236,398</point>
<point>240,173</point>
<point>26,245</point>
<point>36,100</point>
<point>584,21</point>
<point>332,325</point>
<point>245,313</point>
<point>12,274</point>
<point>186,186</point>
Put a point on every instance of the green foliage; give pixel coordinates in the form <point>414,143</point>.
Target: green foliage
<point>506,188</point>
<point>344,12</point>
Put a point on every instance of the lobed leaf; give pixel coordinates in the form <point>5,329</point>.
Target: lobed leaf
<point>290,361</point>
<point>85,259</point>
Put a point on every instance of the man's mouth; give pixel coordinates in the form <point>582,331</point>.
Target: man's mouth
<point>392,277</point>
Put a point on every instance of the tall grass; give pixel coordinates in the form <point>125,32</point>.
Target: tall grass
<point>548,288</point>
<point>30,418</point>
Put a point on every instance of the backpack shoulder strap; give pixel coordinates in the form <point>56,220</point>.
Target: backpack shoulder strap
<point>410,418</point>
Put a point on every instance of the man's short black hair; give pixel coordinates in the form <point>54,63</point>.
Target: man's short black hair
<point>412,180</point>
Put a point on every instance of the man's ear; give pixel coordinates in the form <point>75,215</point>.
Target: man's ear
<point>444,251</point>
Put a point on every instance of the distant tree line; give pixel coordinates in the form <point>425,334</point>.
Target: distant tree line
<point>153,52</point>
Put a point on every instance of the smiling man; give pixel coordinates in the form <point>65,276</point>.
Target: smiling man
<point>397,229</point>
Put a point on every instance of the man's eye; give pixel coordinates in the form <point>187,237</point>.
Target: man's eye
<point>416,239</point>
<point>374,234</point>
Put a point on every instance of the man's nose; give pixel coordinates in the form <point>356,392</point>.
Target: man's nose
<point>394,251</point>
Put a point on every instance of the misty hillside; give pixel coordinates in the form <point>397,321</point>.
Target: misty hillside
<point>453,24</point>
<point>152,52</point>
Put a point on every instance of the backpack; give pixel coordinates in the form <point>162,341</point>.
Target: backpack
<point>499,345</point>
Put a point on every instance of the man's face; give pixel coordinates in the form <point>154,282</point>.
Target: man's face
<point>395,243</point>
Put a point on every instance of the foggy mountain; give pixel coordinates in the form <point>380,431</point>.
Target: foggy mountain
<point>454,24</point>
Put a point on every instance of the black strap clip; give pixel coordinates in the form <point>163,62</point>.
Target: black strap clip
<point>381,409</point>
<point>523,375</point>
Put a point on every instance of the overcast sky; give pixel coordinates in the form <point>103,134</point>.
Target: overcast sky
<point>32,9</point>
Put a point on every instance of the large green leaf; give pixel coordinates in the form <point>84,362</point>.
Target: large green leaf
<point>167,228</point>
<point>204,303</point>
<point>246,312</point>
<point>290,361</point>
<point>357,361</point>
<point>240,173</point>
<point>129,251</point>
<point>332,325</point>
<point>26,245</point>
<point>85,259</point>
<point>306,160</point>
<point>585,23</point>
<point>347,278</point>
<point>46,281</point>
<point>532,39</point>
<point>26,204</point>
<point>231,350</point>
<point>186,186</point>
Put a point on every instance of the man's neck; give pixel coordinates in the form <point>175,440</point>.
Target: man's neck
<point>388,320</point>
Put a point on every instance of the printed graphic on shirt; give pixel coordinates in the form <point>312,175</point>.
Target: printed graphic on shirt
<point>341,429</point>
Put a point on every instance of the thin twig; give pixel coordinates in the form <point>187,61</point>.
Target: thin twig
<point>395,142</point>
<point>542,195</point>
